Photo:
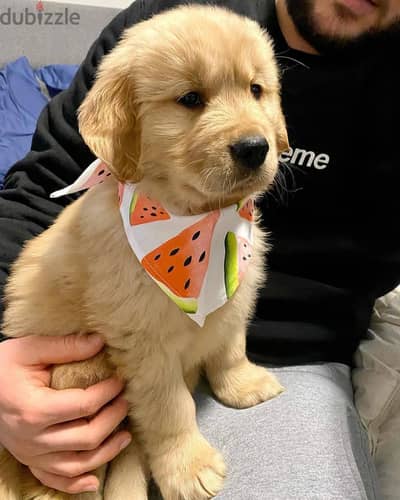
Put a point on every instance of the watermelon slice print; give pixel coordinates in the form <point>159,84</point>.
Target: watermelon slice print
<point>96,173</point>
<point>144,210</point>
<point>246,209</point>
<point>238,253</point>
<point>97,177</point>
<point>179,266</point>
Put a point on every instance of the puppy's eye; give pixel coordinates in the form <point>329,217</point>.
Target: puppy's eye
<point>191,100</point>
<point>256,90</point>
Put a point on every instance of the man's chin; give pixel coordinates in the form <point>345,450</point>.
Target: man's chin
<point>338,33</point>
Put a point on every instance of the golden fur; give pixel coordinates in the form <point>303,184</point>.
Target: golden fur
<point>81,276</point>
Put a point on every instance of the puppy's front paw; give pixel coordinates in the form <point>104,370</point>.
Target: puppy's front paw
<point>246,385</point>
<point>191,471</point>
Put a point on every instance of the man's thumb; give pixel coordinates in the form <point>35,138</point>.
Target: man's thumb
<point>38,350</point>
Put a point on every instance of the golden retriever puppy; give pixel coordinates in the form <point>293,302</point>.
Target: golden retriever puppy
<point>187,105</point>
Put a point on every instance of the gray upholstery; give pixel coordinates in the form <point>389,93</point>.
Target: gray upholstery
<point>61,44</point>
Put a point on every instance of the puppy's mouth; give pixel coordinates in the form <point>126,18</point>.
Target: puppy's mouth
<point>235,185</point>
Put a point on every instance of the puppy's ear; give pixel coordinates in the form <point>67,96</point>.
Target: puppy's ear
<point>282,138</point>
<point>108,119</point>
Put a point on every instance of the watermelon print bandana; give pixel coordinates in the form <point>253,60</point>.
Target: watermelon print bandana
<point>197,260</point>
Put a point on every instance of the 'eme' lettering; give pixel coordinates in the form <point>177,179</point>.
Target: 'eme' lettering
<point>301,157</point>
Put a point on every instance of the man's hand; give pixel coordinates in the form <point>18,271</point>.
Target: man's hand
<point>46,429</point>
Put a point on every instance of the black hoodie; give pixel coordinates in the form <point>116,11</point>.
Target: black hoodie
<point>334,214</point>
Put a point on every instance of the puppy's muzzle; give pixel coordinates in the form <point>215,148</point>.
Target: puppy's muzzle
<point>250,152</point>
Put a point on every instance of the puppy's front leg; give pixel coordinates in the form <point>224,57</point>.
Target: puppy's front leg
<point>182,462</point>
<point>127,475</point>
<point>236,381</point>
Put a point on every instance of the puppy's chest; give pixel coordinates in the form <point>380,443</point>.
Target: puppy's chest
<point>133,307</point>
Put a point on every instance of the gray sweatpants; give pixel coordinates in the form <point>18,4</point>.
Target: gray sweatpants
<point>307,444</point>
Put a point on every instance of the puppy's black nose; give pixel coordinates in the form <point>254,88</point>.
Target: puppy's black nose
<point>250,152</point>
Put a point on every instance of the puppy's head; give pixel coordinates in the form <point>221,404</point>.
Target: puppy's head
<point>188,103</point>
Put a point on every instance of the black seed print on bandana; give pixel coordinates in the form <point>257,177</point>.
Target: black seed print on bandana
<point>100,173</point>
<point>174,252</point>
<point>187,284</point>
<point>188,261</point>
<point>202,256</point>
<point>157,257</point>
<point>171,269</point>
<point>195,236</point>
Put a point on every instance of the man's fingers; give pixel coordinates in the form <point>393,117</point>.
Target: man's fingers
<point>73,464</point>
<point>87,482</point>
<point>70,404</point>
<point>81,435</point>
<point>43,350</point>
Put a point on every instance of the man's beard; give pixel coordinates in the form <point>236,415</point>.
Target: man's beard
<point>301,12</point>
